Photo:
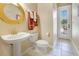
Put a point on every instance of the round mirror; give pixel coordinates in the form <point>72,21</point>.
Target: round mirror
<point>12,14</point>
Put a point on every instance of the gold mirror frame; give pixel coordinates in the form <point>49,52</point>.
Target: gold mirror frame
<point>9,20</point>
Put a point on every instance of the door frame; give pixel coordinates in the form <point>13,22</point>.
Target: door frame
<point>59,21</point>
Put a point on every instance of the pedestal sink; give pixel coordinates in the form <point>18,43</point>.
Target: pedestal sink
<point>15,39</point>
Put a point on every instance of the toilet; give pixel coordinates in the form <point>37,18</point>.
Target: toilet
<point>41,45</point>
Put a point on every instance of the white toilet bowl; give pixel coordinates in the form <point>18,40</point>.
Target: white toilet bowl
<point>42,45</point>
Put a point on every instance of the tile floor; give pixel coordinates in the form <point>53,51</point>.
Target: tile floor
<point>63,48</point>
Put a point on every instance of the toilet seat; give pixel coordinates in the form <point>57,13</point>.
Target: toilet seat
<point>42,43</point>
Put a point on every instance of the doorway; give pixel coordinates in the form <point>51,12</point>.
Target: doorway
<point>64,27</point>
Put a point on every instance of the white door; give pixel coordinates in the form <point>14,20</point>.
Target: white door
<point>64,29</point>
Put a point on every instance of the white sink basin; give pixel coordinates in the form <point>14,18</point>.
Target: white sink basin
<point>17,36</point>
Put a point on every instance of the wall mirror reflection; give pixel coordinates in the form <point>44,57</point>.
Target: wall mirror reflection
<point>11,13</point>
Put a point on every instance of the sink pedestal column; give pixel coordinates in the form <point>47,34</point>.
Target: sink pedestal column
<point>17,49</point>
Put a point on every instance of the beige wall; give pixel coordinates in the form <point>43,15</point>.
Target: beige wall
<point>8,28</point>
<point>45,13</point>
<point>75,26</point>
<point>31,6</point>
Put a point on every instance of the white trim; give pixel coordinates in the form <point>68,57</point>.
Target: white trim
<point>76,49</point>
<point>54,43</point>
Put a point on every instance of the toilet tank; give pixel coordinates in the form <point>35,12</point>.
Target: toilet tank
<point>34,37</point>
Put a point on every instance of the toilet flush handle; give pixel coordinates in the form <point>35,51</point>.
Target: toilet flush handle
<point>48,34</point>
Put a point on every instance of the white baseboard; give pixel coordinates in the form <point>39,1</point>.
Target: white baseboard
<point>55,41</point>
<point>77,51</point>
